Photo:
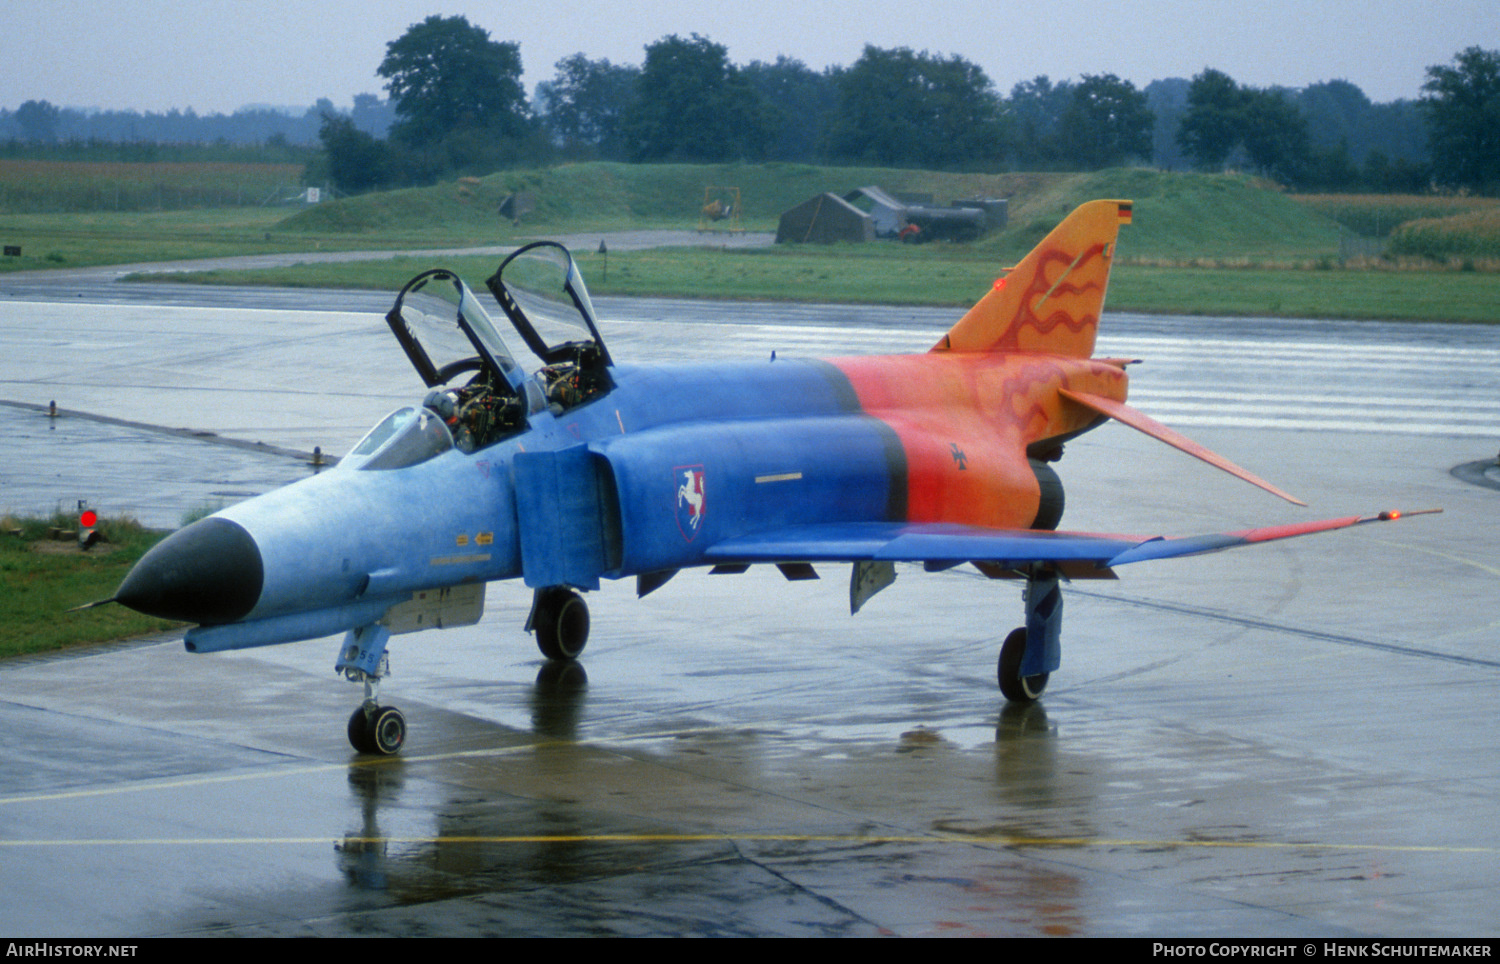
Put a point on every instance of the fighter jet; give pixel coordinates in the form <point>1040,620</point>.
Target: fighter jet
<point>586,469</point>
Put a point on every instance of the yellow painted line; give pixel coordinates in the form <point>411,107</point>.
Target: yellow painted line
<point>334,767</point>
<point>990,840</point>
<point>1461,560</point>
<point>1019,843</point>
<point>1441,555</point>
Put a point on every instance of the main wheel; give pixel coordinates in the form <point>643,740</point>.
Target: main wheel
<point>1015,687</point>
<point>561,623</point>
<point>380,731</point>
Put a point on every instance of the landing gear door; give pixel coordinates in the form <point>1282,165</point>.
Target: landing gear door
<point>445,331</point>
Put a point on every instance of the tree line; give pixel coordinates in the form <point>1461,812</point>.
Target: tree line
<point>457,106</point>
<point>141,135</point>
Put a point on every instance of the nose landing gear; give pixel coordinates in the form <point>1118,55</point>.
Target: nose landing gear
<point>373,728</point>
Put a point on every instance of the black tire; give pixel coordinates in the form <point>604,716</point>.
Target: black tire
<point>360,736</point>
<point>561,623</point>
<point>1013,685</point>
<point>387,731</point>
<point>378,732</point>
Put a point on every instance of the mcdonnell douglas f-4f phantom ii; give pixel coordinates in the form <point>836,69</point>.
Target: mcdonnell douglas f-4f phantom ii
<point>587,469</point>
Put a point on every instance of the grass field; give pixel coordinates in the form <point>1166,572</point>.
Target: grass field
<point>956,275</point>
<point>100,238</point>
<point>41,579</point>
<point>1199,243</point>
<point>1468,235</point>
<point>1379,215</point>
<point>36,186</point>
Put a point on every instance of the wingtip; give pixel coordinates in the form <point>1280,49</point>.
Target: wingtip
<point>1391,515</point>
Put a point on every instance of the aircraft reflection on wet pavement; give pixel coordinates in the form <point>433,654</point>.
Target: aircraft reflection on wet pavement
<point>587,469</point>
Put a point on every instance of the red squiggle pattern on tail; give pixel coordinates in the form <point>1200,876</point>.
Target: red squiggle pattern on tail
<point>1050,302</point>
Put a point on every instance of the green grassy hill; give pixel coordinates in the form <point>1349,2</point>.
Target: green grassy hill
<point>601,195</point>
<point>1181,217</point>
<point>1178,216</point>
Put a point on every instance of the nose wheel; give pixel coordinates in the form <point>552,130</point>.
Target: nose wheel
<point>379,730</point>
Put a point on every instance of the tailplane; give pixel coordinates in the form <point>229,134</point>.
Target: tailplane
<point>1050,302</point>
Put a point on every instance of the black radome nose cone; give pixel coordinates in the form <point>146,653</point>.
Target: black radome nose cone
<point>209,572</point>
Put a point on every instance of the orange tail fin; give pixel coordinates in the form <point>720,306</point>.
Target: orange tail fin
<point>1050,302</point>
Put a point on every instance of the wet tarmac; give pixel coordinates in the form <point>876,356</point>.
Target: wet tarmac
<point>154,476</point>
<point>1293,740</point>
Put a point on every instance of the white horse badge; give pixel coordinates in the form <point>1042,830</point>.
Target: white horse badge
<point>690,504</point>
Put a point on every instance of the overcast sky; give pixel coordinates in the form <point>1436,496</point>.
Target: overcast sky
<point>220,55</point>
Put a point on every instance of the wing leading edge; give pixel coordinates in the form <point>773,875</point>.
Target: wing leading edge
<point>949,543</point>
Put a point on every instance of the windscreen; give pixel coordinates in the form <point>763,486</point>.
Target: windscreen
<point>405,437</point>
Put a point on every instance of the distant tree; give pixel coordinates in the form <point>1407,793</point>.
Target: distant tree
<point>448,77</point>
<point>1210,130</point>
<point>1462,102</point>
<point>1398,130</point>
<point>356,160</point>
<point>1396,176</point>
<point>1330,169</point>
<point>373,115</point>
<point>801,103</point>
<point>1035,109</point>
<point>1168,102</point>
<point>901,108</point>
<point>1107,123</point>
<point>585,103</point>
<point>38,121</point>
<point>1337,111</point>
<point>692,104</point>
<point>1274,134</point>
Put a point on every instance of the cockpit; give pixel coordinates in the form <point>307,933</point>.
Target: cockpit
<point>446,333</point>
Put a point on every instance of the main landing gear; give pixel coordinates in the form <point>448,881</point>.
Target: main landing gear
<point>1015,687</point>
<point>1030,653</point>
<point>560,619</point>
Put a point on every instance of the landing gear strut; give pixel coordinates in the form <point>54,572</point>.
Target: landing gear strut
<point>560,619</point>
<point>1032,652</point>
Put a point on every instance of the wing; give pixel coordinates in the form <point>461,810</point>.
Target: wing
<point>943,544</point>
